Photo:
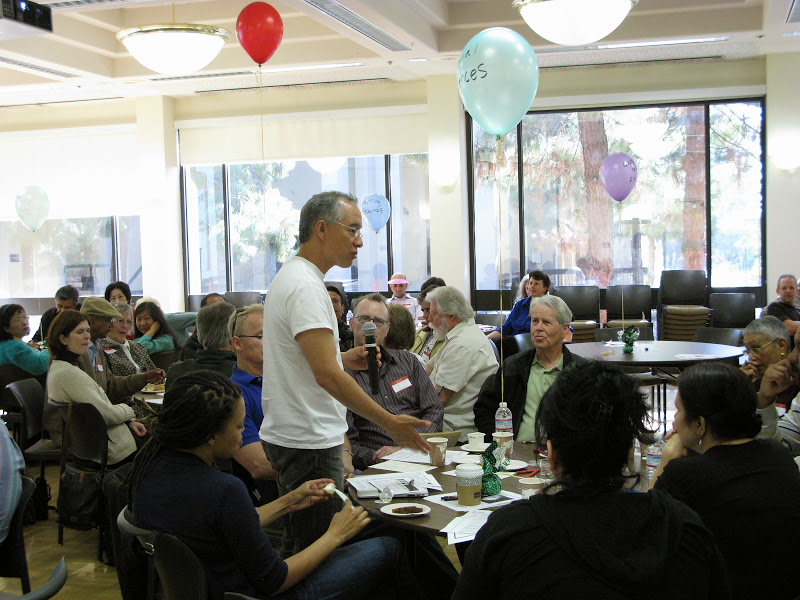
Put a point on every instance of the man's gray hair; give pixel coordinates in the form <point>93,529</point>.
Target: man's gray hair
<point>321,207</point>
<point>563,313</point>
<point>770,327</point>
<point>237,319</point>
<point>212,325</point>
<point>373,297</point>
<point>450,301</point>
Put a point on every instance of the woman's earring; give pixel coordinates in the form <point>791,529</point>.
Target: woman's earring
<point>699,442</point>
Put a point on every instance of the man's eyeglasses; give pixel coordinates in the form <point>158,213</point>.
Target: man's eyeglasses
<point>758,349</point>
<point>240,311</point>
<point>377,320</point>
<point>356,233</point>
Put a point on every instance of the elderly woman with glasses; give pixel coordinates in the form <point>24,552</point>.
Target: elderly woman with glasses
<point>124,357</point>
<point>766,342</point>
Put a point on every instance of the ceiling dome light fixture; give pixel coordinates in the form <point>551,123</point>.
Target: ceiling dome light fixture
<point>573,22</point>
<point>174,48</point>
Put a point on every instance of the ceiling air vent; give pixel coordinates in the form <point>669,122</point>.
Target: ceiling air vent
<point>356,23</point>
<point>794,12</point>
<point>31,67</point>
<point>90,3</point>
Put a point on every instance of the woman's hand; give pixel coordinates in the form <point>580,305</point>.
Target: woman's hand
<point>776,379</point>
<point>673,449</point>
<point>308,494</point>
<point>137,428</point>
<point>751,369</point>
<point>154,328</point>
<point>347,522</point>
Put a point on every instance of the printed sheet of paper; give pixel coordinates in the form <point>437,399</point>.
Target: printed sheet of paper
<point>401,467</point>
<point>395,481</point>
<point>500,474</point>
<point>418,456</point>
<point>454,505</point>
<point>465,527</point>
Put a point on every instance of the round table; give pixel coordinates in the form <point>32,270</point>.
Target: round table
<point>439,516</point>
<point>658,353</point>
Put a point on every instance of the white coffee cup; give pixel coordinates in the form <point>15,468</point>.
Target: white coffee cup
<point>475,439</point>
<point>438,450</point>
<point>505,440</point>
<point>469,480</point>
<point>531,485</point>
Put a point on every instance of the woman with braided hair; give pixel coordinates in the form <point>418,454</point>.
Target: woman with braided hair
<point>590,533</point>
<point>175,488</point>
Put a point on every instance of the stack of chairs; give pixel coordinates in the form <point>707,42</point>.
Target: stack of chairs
<point>584,302</point>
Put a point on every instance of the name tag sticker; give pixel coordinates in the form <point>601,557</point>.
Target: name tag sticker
<point>401,384</point>
<point>109,350</point>
<point>100,366</point>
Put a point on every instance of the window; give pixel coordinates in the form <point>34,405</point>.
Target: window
<point>242,219</point>
<point>680,215</point>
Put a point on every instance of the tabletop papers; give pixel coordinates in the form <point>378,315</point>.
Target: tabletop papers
<point>371,485</point>
<point>500,474</point>
<point>695,356</point>
<point>418,456</point>
<point>464,528</point>
<point>402,467</point>
<point>509,497</point>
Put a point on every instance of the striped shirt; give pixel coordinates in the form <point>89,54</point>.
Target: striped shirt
<point>405,389</point>
<point>785,429</point>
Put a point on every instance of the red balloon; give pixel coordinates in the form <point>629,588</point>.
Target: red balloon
<point>260,31</point>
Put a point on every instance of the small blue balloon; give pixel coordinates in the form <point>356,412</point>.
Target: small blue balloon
<point>377,210</point>
<point>498,75</point>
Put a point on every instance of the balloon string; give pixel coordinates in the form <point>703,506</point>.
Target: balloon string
<point>500,160</point>
<point>261,106</point>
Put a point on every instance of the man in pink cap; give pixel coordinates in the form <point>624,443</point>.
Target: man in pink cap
<point>398,284</point>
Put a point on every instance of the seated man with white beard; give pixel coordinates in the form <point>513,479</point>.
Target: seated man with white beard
<point>464,362</point>
<point>405,388</point>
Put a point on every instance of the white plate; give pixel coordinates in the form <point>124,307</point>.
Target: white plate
<point>515,465</point>
<point>469,459</point>
<point>153,388</point>
<point>478,448</point>
<point>389,510</point>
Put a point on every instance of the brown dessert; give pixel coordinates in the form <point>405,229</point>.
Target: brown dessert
<point>407,510</point>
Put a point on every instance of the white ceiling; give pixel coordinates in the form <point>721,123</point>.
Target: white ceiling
<point>82,59</point>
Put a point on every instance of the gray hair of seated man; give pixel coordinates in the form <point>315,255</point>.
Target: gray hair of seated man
<point>67,292</point>
<point>321,207</point>
<point>450,301</point>
<point>563,313</point>
<point>238,318</point>
<point>770,327</point>
<point>212,325</point>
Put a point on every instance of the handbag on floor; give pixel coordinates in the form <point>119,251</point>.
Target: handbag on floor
<point>79,498</point>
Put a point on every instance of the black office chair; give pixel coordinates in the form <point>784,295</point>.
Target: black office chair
<point>735,310</point>
<point>180,572</point>
<point>583,301</point>
<point>242,299</point>
<point>86,437</point>
<point>163,360</point>
<point>719,335</point>
<point>44,592</point>
<point>524,342</point>
<point>628,305</point>
<point>146,538</point>
<point>13,560</point>
<point>683,287</point>
<point>29,396</point>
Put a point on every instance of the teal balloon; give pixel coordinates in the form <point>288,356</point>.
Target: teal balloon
<point>33,206</point>
<point>498,75</point>
<point>377,210</point>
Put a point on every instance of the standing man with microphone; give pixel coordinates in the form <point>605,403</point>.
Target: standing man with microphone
<point>400,385</point>
<point>306,393</point>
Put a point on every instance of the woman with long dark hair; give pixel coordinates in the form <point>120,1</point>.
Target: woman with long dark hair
<point>590,533</point>
<point>746,490</point>
<point>13,351</point>
<point>175,488</point>
<point>152,330</point>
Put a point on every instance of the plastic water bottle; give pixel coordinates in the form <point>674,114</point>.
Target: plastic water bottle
<point>502,419</point>
<point>636,461</point>
<point>654,456</point>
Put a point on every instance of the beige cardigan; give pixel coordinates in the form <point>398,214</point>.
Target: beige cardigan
<point>68,383</point>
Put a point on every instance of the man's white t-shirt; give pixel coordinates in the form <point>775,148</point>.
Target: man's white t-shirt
<point>298,413</point>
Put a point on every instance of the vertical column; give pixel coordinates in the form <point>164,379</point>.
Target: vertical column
<point>783,167</point>
<point>448,194</point>
<point>160,201</point>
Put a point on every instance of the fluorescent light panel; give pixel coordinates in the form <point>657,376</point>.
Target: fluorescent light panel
<point>662,43</point>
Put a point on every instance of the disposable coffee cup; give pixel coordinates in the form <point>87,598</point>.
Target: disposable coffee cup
<point>468,484</point>
<point>475,439</point>
<point>505,440</point>
<point>530,486</point>
<point>438,450</point>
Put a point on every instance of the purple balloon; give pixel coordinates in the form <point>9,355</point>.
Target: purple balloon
<point>618,175</point>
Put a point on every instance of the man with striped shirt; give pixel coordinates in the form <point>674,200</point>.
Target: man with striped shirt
<point>405,387</point>
<point>777,378</point>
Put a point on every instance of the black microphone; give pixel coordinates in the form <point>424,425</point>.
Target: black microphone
<point>370,341</point>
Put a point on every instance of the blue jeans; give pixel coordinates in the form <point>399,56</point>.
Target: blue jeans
<point>374,569</point>
<point>296,466</point>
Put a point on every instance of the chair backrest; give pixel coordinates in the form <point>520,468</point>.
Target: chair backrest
<point>452,436</point>
<point>719,335</point>
<point>496,351</point>
<point>524,341</point>
<point>242,299</point>
<point>13,560</point>
<point>10,374</point>
<point>88,433</point>
<point>495,318</point>
<point>583,301</point>
<point>28,393</point>
<point>610,334</point>
<point>57,580</point>
<point>583,332</point>
<point>679,322</point>
<point>163,360</point>
<point>635,299</point>
<point>181,573</point>
<point>734,310</point>
<point>683,287</point>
